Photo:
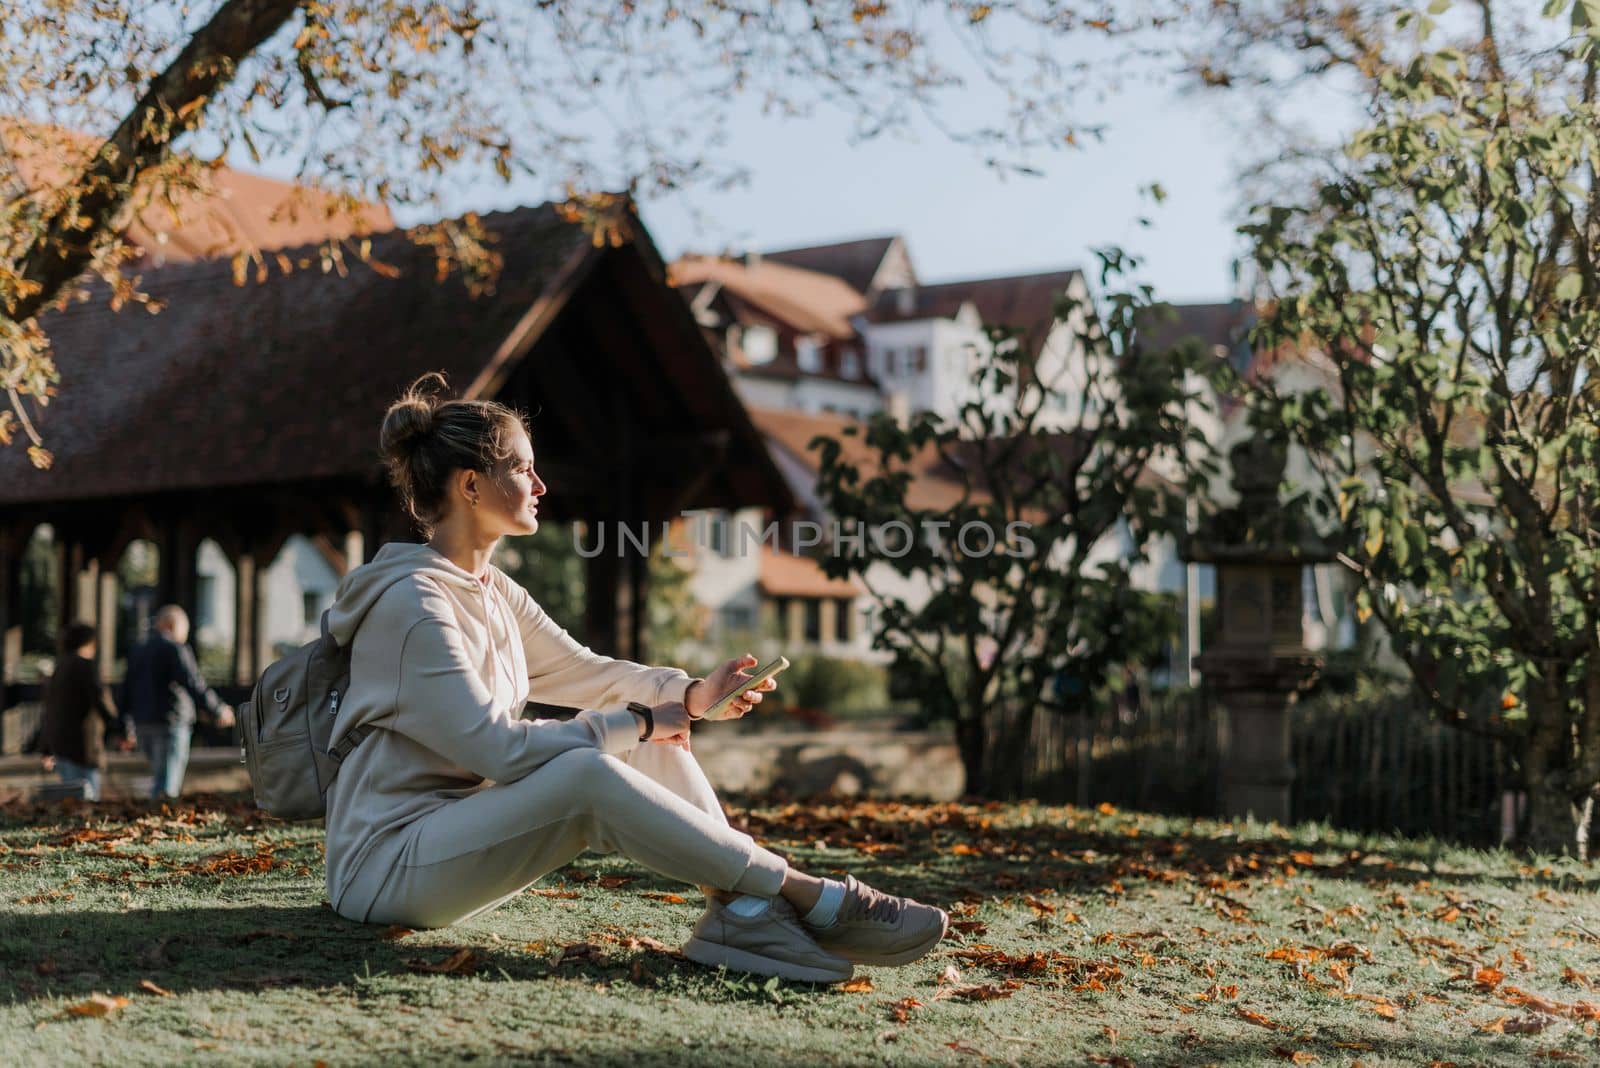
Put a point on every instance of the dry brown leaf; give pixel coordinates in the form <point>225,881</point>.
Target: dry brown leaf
<point>974,927</point>
<point>462,962</point>
<point>949,977</point>
<point>97,1005</point>
<point>1528,1025</point>
<point>579,952</point>
<point>981,992</point>
<point>1486,979</point>
<point>646,942</point>
<point>611,882</point>
<point>395,932</point>
<point>565,895</point>
<point>670,899</point>
<point>150,988</point>
<point>902,1009</point>
<point>863,985</point>
<point>1254,1017</point>
<point>1298,1056</point>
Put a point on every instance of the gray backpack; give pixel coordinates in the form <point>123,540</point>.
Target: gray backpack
<point>288,725</point>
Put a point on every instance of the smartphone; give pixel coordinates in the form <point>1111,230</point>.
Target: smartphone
<point>762,674</point>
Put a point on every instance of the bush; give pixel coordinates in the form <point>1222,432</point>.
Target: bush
<point>834,686</point>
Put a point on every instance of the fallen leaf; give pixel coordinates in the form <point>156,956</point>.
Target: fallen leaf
<point>961,1047</point>
<point>267,932</point>
<point>462,962</point>
<point>611,882</point>
<point>670,899</point>
<point>646,942</point>
<point>395,932</point>
<point>150,988</point>
<point>1486,979</point>
<point>1298,1056</point>
<point>902,1009</point>
<point>1254,1017</point>
<point>1527,1025</point>
<point>981,992</point>
<point>862,985</point>
<point>579,952</point>
<point>97,1005</point>
<point>949,976</point>
<point>975,927</point>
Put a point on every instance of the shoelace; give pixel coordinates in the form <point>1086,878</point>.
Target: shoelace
<point>873,905</point>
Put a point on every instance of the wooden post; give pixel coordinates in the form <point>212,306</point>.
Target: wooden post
<point>10,622</point>
<point>601,581</point>
<point>105,623</point>
<point>247,659</point>
<point>179,580</point>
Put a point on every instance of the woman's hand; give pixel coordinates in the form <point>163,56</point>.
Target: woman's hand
<point>704,693</point>
<point>672,722</point>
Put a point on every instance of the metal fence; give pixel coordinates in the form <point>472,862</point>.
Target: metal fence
<point>1372,764</point>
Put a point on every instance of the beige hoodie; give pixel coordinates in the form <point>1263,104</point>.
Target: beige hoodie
<point>445,664</point>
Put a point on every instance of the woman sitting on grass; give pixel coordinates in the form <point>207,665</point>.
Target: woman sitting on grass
<point>458,803</point>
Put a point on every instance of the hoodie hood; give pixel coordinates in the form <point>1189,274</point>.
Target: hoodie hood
<point>362,587</point>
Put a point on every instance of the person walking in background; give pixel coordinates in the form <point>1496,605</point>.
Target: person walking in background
<point>162,691</point>
<point>78,711</point>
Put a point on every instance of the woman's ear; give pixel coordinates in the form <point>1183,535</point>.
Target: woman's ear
<point>467,485</point>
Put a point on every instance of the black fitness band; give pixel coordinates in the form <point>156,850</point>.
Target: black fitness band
<point>649,719</point>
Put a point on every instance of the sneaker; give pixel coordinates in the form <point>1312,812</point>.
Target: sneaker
<point>773,943</point>
<point>878,928</point>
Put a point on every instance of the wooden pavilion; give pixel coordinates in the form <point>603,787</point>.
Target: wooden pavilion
<point>246,414</point>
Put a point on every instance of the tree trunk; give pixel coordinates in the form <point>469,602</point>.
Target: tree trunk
<point>971,742</point>
<point>171,106</point>
<point>1553,805</point>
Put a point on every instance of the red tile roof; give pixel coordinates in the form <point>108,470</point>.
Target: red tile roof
<point>784,574</point>
<point>803,300</point>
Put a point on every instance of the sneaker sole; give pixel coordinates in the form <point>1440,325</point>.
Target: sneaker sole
<point>716,955</point>
<point>902,956</point>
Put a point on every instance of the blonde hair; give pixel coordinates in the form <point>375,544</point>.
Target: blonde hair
<point>427,437</point>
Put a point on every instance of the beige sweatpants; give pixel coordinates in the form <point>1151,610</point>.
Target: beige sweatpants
<point>653,805</point>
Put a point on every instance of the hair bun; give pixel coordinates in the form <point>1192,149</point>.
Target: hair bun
<point>413,416</point>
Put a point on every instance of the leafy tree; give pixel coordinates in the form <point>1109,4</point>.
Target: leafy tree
<point>1446,278</point>
<point>397,100</point>
<point>1075,478</point>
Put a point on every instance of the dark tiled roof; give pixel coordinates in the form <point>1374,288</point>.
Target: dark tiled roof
<point>1026,302</point>
<point>1222,326</point>
<point>269,383</point>
<point>856,262</point>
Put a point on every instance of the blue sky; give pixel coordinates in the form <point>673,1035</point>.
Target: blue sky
<point>963,219</point>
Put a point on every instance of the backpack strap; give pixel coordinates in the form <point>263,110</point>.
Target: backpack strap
<point>348,743</point>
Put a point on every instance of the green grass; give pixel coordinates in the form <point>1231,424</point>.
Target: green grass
<point>1110,935</point>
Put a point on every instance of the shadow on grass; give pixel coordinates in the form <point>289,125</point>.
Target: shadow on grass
<point>74,953</point>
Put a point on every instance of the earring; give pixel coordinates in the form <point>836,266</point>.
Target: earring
<point>474,501</point>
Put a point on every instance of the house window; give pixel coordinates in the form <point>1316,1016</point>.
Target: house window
<point>737,619</point>
<point>919,359</point>
<point>889,369</point>
<point>841,619</point>
<point>849,364</point>
<point>760,343</point>
<point>813,609</point>
<point>780,614</point>
<point>808,354</point>
<point>311,607</point>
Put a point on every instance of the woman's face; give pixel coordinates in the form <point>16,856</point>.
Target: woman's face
<point>509,494</point>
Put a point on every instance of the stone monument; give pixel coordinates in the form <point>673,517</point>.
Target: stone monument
<point>1258,665</point>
